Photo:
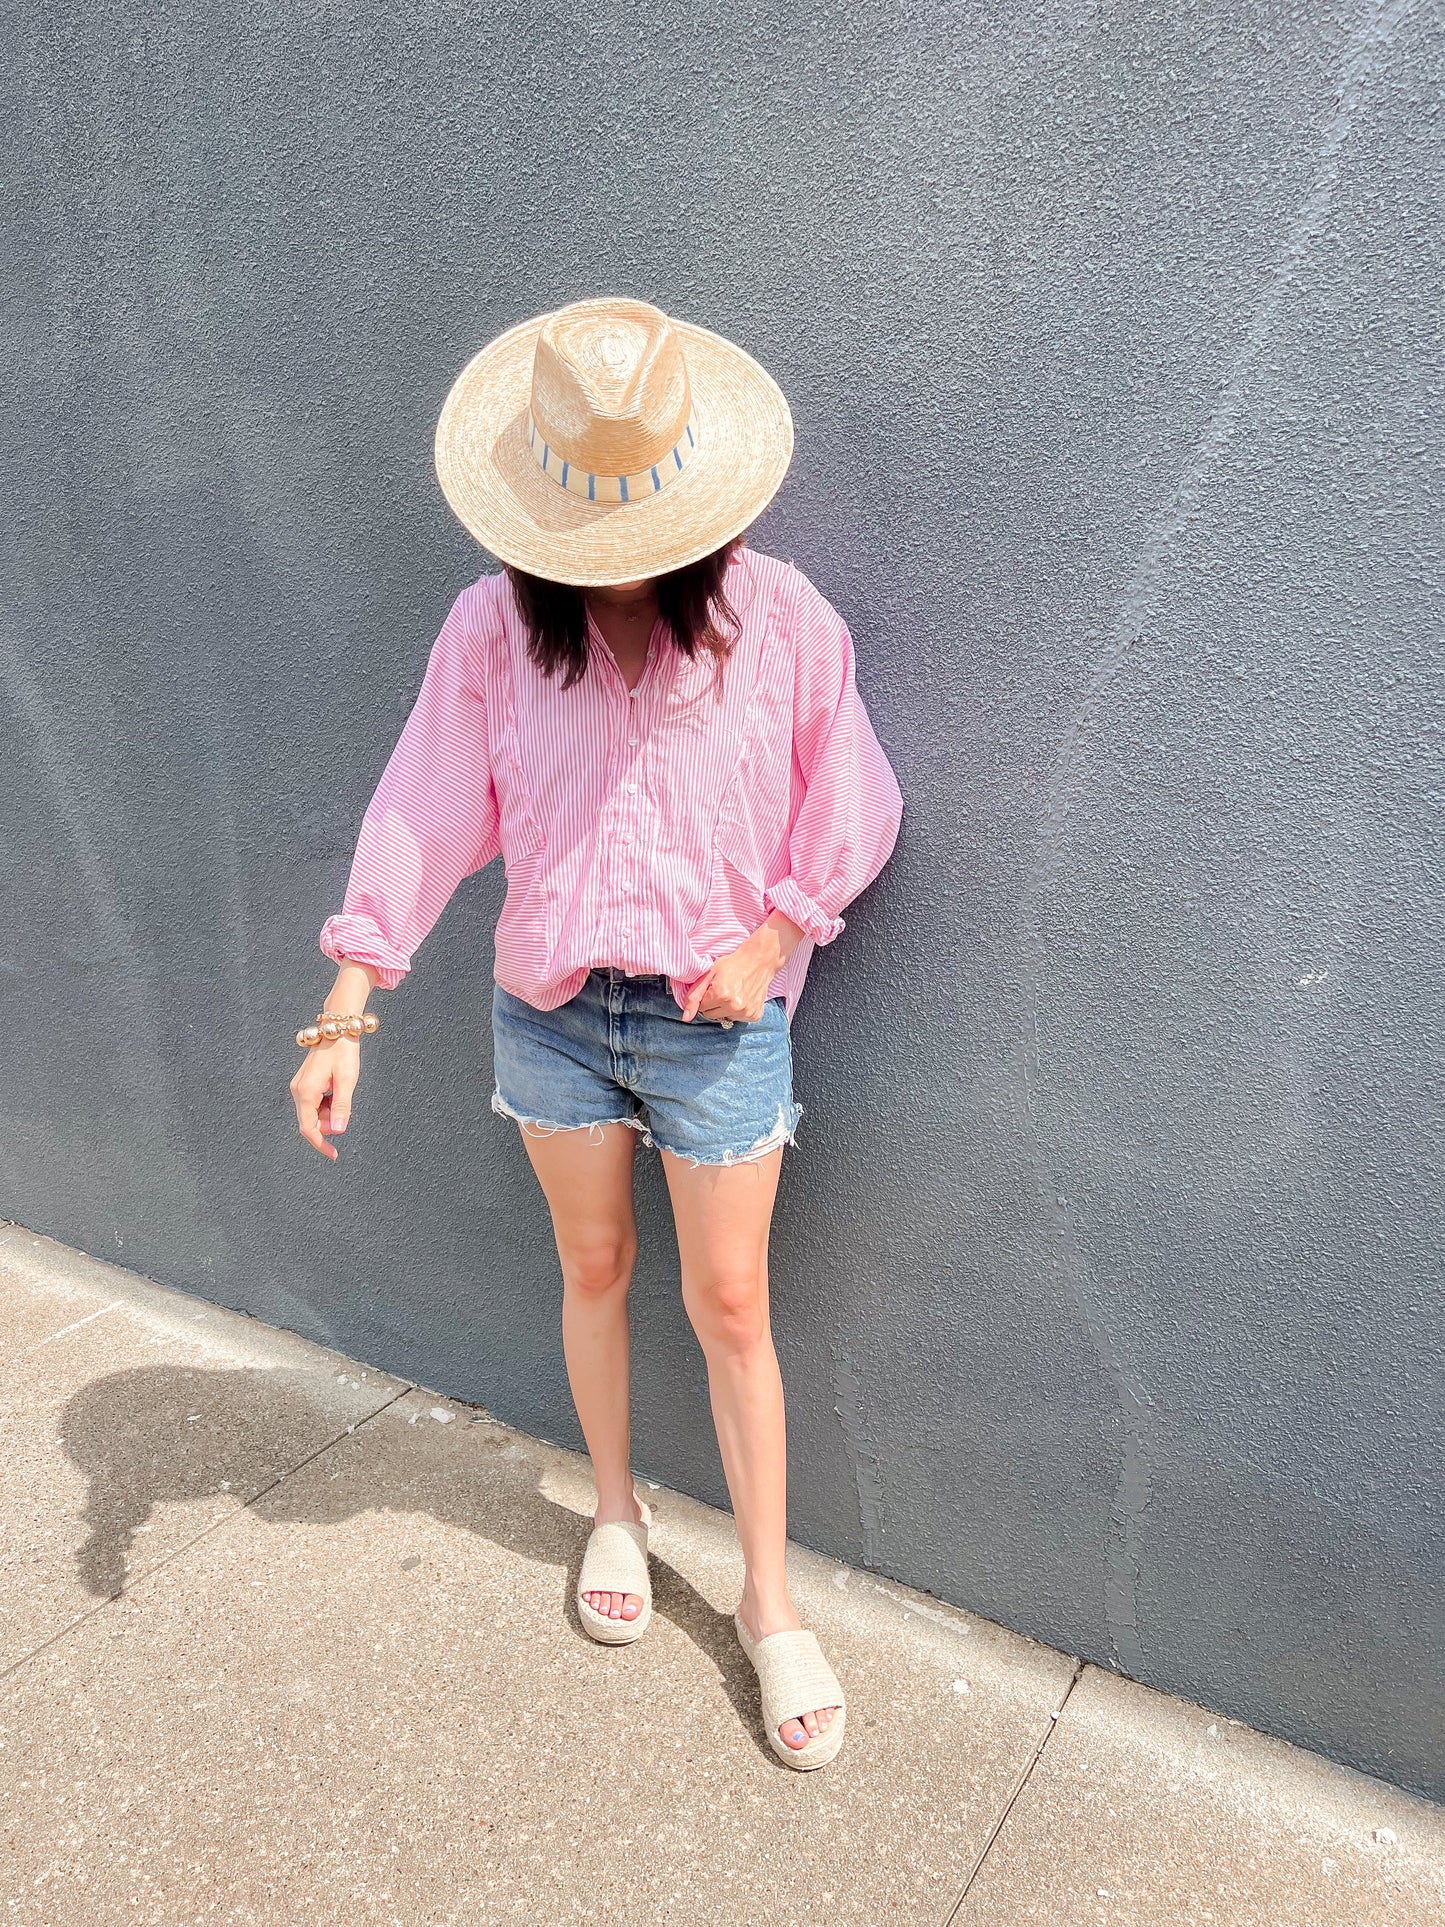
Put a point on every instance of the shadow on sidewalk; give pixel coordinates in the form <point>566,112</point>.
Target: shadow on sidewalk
<point>157,1435</point>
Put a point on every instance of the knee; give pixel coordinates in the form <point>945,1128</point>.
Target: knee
<point>596,1267</point>
<point>727,1315</point>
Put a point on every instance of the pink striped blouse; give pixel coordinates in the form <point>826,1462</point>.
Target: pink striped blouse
<point>652,830</point>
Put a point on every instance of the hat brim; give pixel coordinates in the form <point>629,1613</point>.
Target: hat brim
<point>496,487</point>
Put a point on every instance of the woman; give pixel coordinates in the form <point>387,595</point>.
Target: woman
<point>659,732</point>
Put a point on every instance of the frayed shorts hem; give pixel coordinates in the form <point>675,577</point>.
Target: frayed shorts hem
<point>781,1133</point>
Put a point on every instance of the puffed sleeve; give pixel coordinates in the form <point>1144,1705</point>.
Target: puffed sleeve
<point>433,817</point>
<point>844,828</point>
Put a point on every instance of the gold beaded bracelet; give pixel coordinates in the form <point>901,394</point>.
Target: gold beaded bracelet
<point>331,1024</point>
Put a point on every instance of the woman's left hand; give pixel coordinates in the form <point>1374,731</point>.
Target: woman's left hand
<point>736,988</point>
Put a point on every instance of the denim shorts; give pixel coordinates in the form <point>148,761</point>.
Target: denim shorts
<point>619,1053</point>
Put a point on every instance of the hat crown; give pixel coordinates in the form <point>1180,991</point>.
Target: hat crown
<point>610,391</point>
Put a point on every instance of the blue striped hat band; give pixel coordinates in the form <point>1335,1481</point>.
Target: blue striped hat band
<point>612,488</point>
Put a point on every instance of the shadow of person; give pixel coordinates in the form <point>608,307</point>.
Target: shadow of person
<point>159,1435</point>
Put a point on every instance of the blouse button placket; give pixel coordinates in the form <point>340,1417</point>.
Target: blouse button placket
<point>631,841</point>
<point>627,841</point>
<point>624,864</point>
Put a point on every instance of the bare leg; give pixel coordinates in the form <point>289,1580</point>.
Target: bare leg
<point>723,1215</point>
<point>588,1186</point>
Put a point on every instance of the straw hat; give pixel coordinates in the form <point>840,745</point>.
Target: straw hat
<point>604,443</point>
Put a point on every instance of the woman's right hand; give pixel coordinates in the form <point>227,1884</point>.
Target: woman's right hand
<point>322,1089</point>
<point>326,1077</point>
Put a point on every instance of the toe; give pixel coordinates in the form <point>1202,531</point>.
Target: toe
<point>626,1606</point>
<point>810,1726</point>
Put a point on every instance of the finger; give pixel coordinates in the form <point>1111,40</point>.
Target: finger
<point>725,1006</point>
<point>695,997</point>
<point>308,1110</point>
<point>342,1086</point>
<point>308,1119</point>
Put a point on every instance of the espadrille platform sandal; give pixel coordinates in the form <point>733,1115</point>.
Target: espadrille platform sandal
<point>616,1561</point>
<point>795,1679</point>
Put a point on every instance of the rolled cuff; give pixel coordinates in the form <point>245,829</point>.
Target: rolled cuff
<point>360,940</point>
<point>790,901</point>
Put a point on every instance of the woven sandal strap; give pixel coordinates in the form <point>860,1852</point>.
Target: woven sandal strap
<point>794,1676</point>
<point>615,1559</point>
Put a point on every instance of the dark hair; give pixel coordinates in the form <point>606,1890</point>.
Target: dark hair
<point>692,602</point>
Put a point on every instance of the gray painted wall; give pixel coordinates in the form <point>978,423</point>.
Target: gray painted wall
<point>1107,1264</point>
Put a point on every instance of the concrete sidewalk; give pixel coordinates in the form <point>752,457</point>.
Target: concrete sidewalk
<point>289,1641</point>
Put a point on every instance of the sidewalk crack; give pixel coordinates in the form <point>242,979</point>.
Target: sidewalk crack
<point>954,1916</point>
